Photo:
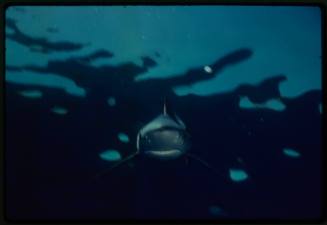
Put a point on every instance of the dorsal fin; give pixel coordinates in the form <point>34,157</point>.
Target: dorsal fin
<point>165,107</point>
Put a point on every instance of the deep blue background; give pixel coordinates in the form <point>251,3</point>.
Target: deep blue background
<point>51,159</point>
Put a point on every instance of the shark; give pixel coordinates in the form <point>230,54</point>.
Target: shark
<point>163,138</point>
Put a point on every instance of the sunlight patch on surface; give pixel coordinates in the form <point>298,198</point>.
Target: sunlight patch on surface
<point>246,103</point>
<point>111,101</point>
<point>123,137</point>
<point>9,30</point>
<point>46,80</point>
<point>238,175</point>
<point>110,155</point>
<point>20,55</point>
<point>31,94</point>
<point>182,90</point>
<point>273,104</point>
<point>59,110</point>
<point>177,42</point>
<point>291,153</point>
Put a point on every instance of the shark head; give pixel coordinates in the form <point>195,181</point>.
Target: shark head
<point>164,137</point>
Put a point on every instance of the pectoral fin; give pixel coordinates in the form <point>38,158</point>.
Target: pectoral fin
<point>118,164</point>
<point>204,163</point>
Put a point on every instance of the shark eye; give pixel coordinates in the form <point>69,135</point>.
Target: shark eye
<point>147,139</point>
<point>179,139</point>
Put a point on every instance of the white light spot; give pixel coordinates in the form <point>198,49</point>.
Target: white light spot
<point>207,69</point>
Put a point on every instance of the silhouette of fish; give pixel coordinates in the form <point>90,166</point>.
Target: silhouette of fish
<point>164,137</point>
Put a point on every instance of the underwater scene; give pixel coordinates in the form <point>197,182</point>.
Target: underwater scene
<point>163,113</point>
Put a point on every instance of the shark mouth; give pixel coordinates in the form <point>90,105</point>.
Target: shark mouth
<point>164,154</point>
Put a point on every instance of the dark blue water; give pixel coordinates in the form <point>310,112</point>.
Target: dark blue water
<point>266,145</point>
